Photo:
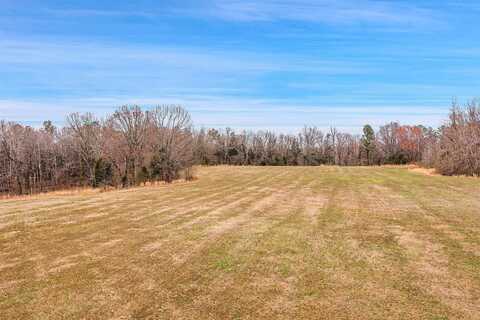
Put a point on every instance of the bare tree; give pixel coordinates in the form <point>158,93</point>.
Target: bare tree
<point>132,122</point>
<point>173,144</point>
<point>459,142</point>
<point>87,135</point>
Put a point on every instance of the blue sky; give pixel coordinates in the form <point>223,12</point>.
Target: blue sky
<point>277,64</point>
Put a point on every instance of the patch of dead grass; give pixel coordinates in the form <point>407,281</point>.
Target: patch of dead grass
<point>421,170</point>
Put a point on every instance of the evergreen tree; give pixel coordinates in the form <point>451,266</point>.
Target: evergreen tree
<point>368,142</point>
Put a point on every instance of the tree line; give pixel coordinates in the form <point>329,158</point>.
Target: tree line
<point>392,144</point>
<point>134,146</point>
<point>129,147</point>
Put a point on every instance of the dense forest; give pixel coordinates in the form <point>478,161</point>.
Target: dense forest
<point>134,146</point>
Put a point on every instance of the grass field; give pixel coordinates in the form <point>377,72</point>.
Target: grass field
<point>248,243</point>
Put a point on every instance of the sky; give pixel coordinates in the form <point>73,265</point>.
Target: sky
<point>244,64</point>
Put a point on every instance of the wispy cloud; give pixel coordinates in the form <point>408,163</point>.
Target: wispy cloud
<point>35,52</point>
<point>98,13</point>
<point>78,68</point>
<point>320,11</point>
<point>219,87</point>
<point>313,11</point>
<point>240,113</point>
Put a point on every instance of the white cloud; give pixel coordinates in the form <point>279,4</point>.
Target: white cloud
<point>321,11</point>
<point>241,113</point>
<point>98,13</point>
<point>314,11</point>
<point>41,53</point>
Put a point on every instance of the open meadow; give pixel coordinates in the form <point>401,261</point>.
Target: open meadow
<point>248,243</point>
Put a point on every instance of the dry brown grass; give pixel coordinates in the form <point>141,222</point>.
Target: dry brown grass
<point>63,192</point>
<point>425,171</point>
<point>248,243</point>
